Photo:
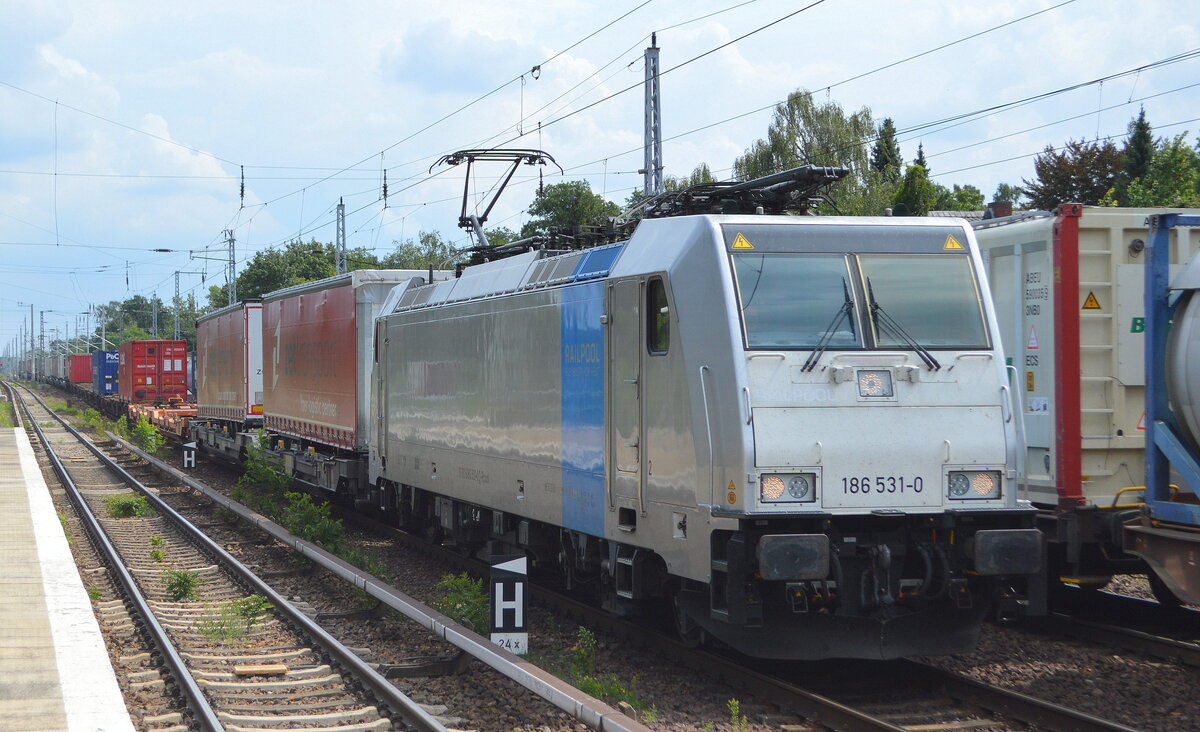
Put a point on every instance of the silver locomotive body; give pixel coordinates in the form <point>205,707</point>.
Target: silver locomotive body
<point>795,430</point>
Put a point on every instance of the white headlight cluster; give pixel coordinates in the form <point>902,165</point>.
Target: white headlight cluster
<point>785,488</point>
<point>966,485</point>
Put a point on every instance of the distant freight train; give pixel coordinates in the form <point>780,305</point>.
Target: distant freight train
<point>795,433</point>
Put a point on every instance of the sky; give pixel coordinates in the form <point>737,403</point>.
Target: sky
<point>128,125</point>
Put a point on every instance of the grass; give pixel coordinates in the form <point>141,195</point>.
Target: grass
<point>62,519</point>
<point>234,618</point>
<point>126,505</point>
<point>7,417</point>
<point>578,667</point>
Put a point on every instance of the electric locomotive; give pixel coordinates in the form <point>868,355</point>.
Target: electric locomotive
<point>795,433</point>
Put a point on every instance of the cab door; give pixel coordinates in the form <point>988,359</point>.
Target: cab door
<point>625,393</point>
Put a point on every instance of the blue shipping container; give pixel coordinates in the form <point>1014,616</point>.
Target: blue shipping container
<point>104,371</point>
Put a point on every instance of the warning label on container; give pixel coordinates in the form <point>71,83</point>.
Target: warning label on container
<point>1142,422</point>
<point>741,242</point>
<point>952,244</point>
<point>1028,381</point>
<point>1032,343</point>
<point>1091,303</point>
<point>1038,405</point>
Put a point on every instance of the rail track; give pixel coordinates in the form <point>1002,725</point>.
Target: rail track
<point>895,695</point>
<point>1131,623</point>
<point>241,655</point>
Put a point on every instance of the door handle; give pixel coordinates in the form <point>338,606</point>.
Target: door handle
<point>631,381</point>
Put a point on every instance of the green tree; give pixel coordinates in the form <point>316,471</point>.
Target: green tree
<point>885,156</point>
<point>1008,193</point>
<point>430,249</point>
<point>920,159</point>
<point>1135,158</point>
<point>960,198</point>
<point>565,205</point>
<point>1079,172</point>
<point>805,132</point>
<point>1172,178</point>
<point>275,269</point>
<point>499,235</point>
<point>917,193</point>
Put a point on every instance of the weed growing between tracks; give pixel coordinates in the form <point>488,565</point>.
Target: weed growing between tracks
<point>234,619</point>
<point>127,505</point>
<point>182,584</point>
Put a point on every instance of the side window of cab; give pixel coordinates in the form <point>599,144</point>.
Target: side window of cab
<point>658,318</point>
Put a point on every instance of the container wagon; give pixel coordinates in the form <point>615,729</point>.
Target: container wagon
<point>317,356</point>
<point>1167,532</point>
<point>152,372</point>
<point>229,376</point>
<point>1068,288</point>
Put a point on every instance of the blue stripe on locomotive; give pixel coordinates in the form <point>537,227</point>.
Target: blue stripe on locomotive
<point>583,407</point>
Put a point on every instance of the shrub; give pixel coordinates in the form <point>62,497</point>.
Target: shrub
<point>122,426</point>
<point>263,470</point>
<point>125,505</point>
<point>182,584</point>
<point>311,521</point>
<point>464,600</point>
<point>147,436</point>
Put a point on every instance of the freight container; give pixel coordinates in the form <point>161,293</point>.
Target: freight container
<point>229,367</point>
<point>153,371</point>
<point>81,368</point>
<point>104,371</point>
<point>317,355</point>
<point>1068,288</point>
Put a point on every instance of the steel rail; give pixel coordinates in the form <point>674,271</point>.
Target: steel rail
<point>581,706</point>
<point>1118,636</point>
<point>1013,703</point>
<point>403,706</point>
<point>202,712</point>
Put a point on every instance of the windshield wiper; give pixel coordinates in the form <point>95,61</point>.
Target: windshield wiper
<point>888,324</point>
<point>842,313</point>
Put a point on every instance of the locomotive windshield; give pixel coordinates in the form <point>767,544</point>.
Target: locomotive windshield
<point>793,300</point>
<point>790,300</point>
<point>932,296</point>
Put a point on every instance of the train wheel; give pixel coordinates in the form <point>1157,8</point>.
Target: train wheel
<point>689,632</point>
<point>1161,592</point>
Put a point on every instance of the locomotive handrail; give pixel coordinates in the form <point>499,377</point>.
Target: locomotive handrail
<point>712,476</point>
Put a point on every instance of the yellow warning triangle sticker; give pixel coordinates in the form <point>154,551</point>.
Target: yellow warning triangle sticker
<point>731,488</point>
<point>1091,303</point>
<point>741,242</point>
<point>952,244</point>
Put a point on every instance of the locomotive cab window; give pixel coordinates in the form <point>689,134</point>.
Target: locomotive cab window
<point>658,318</point>
<point>792,301</point>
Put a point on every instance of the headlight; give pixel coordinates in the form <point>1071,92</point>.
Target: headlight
<point>875,383</point>
<point>971,485</point>
<point>794,488</point>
